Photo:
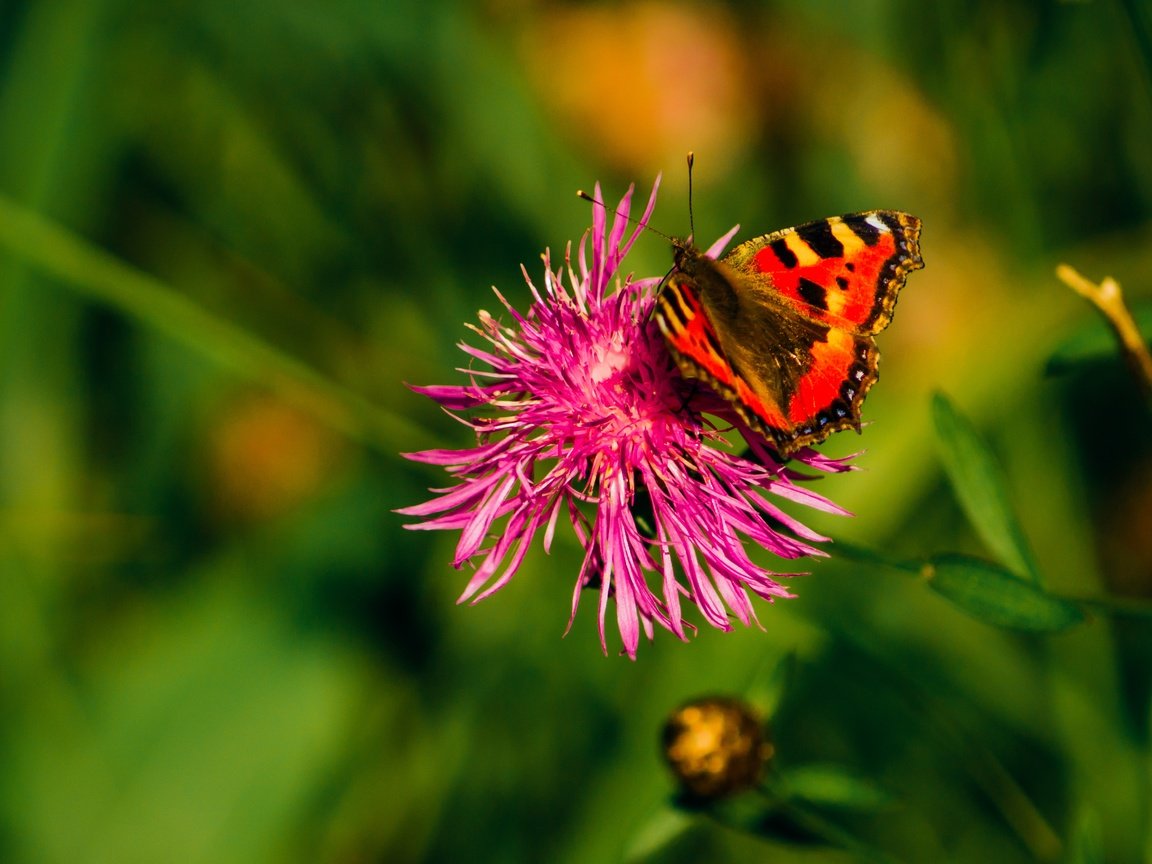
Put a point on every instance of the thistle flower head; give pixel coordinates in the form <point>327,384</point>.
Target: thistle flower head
<point>582,416</point>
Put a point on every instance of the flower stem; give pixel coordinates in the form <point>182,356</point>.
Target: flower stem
<point>1108,298</point>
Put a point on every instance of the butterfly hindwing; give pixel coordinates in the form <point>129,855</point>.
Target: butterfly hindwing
<point>782,327</point>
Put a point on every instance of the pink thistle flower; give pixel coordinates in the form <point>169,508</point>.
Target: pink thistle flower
<point>587,416</point>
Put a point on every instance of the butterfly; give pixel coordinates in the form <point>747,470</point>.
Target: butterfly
<point>782,327</point>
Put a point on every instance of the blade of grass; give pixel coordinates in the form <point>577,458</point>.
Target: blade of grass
<point>981,488</point>
<point>103,278</point>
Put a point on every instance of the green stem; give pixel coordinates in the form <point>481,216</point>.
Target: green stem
<point>1133,607</point>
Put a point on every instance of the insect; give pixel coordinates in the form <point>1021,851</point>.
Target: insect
<point>782,327</point>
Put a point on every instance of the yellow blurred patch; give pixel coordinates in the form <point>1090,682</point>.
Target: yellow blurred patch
<point>646,83</point>
<point>266,458</point>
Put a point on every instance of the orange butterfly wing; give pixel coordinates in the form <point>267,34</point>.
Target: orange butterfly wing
<point>782,326</point>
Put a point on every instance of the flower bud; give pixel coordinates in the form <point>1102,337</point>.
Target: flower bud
<point>716,747</point>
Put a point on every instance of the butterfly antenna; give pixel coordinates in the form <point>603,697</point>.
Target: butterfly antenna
<point>691,218</point>
<point>580,193</point>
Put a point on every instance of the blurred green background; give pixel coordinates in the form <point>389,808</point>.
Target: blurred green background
<point>229,231</point>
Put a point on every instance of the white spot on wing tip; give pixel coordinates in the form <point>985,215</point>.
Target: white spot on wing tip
<point>875,222</point>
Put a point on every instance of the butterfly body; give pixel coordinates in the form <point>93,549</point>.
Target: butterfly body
<point>782,326</point>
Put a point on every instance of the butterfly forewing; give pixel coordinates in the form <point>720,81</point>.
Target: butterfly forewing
<point>846,270</point>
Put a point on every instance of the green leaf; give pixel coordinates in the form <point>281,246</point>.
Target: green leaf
<point>791,822</point>
<point>1094,341</point>
<point>661,832</point>
<point>981,488</point>
<point>832,786</point>
<point>768,817</point>
<point>996,596</point>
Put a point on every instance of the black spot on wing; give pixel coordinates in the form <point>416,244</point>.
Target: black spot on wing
<point>786,256</point>
<point>672,301</point>
<point>862,228</point>
<point>713,342</point>
<point>819,237</point>
<point>813,293</point>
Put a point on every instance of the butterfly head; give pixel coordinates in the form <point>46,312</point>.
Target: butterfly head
<point>690,262</point>
<point>684,253</point>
